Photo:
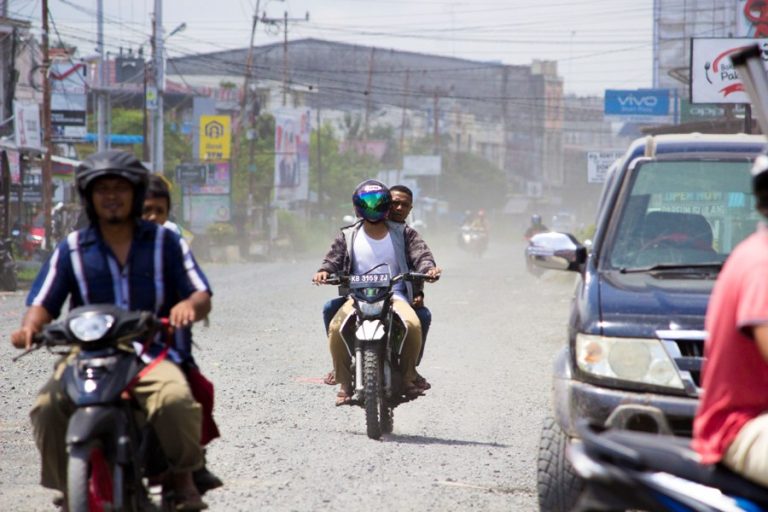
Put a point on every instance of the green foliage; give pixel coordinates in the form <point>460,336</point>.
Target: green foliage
<point>304,234</point>
<point>470,181</point>
<point>261,151</point>
<point>221,233</point>
<point>341,172</point>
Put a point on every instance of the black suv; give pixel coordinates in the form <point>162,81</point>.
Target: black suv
<point>672,209</point>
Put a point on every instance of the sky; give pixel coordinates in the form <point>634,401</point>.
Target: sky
<point>599,44</point>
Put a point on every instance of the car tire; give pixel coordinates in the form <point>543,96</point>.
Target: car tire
<point>557,483</point>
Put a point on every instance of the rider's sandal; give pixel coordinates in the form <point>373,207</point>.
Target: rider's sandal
<point>188,502</point>
<point>330,378</point>
<point>422,383</point>
<point>412,391</point>
<point>343,398</point>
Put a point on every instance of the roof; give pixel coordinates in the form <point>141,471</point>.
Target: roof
<point>682,143</point>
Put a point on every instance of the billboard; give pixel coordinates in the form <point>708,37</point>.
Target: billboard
<point>422,165</point>
<point>713,79</point>
<point>598,163</point>
<point>292,130</point>
<point>26,125</point>
<point>640,104</point>
<point>751,18</point>
<point>68,100</point>
<point>215,137</point>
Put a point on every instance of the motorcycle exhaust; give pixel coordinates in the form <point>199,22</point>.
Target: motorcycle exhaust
<point>751,69</point>
<point>358,369</point>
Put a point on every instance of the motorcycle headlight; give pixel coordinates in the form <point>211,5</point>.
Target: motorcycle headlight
<point>371,308</point>
<point>641,360</point>
<point>91,327</point>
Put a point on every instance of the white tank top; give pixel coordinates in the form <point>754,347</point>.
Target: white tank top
<point>369,252</point>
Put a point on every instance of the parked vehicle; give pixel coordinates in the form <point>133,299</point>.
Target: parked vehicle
<point>672,209</point>
<point>109,448</point>
<point>374,336</point>
<point>8,279</point>
<point>626,470</point>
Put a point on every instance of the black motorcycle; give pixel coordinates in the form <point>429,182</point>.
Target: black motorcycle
<point>110,446</point>
<point>374,336</point>
<point>8,279</point>
<point>626,470</point>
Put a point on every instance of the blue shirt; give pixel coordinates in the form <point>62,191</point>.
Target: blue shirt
<point>160,272</point>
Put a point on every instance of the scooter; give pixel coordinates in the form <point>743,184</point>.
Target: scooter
<point>629,470</point>
<point>111,447</point>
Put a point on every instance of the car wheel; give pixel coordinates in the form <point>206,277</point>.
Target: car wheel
<point>557,483</point>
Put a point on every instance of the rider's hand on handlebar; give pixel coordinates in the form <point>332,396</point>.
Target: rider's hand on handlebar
<point>22,338</point>
<point>183,314</point>
<point>320,278</point>
<point>434,273</point>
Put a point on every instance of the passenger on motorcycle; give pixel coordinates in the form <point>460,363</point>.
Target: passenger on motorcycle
<point>731,423</point>
<point>157,209</point>
<point>360,247</point>
<point>536,227</point>
<point>120,259</point>
<point>402,204</point>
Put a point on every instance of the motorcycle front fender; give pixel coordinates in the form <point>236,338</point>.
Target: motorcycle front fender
<point>93,422</point>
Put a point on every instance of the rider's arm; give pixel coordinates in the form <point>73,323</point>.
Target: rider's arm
<point>189,281</point>
<point>34,320</point>
<point>760,334</point>
<point>418,253</point>
<point>333,262</point>
<point>54,282</point>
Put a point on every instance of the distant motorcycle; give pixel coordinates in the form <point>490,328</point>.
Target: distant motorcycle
<point>626,470</point>
<point>374,335</point>
<point>473,240</point>
<point>109,447</point>
<point>8,280</point>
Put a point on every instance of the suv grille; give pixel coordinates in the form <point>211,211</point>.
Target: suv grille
<point>687,350</point>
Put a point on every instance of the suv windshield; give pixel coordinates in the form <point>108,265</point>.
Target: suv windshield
<point>683,212</point>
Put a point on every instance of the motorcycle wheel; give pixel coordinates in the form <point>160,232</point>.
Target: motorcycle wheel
<point>372,390</point>
<point>89,481</point>
<point>386,416</point>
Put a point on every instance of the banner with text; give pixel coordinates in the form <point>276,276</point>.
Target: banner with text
<point>292,130</point>
<point>215,137</point>
<point>598,163</point>
<point>713,78</point>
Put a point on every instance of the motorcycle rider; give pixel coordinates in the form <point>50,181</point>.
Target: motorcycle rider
<point>112,260</point>
<point>402,204</point>
<point>357,249</point>
<point>731,422</point>
<point>536,227</point>
<point>157,209</point>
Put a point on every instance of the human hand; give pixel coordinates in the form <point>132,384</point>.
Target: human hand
<point>183,314</point>
<point>320,278</point>
<point>434,273</point>
<point>418,302</point>
<point>22,338</point>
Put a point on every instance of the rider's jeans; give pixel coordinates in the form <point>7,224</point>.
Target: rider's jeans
<point>410,351</point>
<point>748,453</point>
<point>163,393</point>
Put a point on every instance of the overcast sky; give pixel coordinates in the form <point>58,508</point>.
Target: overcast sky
<point>599,44</point>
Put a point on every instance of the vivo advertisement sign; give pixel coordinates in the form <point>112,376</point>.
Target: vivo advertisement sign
<point>642,104</point>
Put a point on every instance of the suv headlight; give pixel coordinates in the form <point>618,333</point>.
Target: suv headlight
<point>630,359</point>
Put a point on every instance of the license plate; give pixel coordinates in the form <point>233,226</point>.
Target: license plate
<point>369,281</point>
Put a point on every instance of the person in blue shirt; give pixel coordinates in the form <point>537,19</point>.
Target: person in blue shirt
<point>137,265</point>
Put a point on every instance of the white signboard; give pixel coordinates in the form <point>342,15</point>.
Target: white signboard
<point>713,79</point>
<point>292,129</point>
<point>26,125</point>
<point>598,163</point>
<point>421,165</point>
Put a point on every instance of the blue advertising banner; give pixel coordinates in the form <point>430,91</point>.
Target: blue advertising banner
<point>641,102</point>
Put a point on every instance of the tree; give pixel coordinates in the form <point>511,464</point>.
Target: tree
<point>470,181</point>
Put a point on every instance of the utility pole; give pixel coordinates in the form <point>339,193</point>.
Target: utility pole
<point>284,20</point>
<point>101,97</point>
<point>368,94</point>
<point>47,189</point>
<point>159,77</point>
<point>435,98</point>
<point>319,162</point>
<point>402,126</point>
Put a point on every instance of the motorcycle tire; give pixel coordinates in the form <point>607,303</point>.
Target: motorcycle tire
<point>386,416</point>
<point>8,281</point>
<point>85,491</point>
<point>372,392</point>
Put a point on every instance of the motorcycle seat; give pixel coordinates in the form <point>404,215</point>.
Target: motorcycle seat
<point>644,451</point>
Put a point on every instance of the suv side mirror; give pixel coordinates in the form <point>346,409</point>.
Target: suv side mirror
<point>557,251</point>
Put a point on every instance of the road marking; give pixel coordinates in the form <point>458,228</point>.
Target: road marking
<point>310,380</point>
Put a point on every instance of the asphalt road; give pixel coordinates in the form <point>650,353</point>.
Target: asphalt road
<point>470,444</point>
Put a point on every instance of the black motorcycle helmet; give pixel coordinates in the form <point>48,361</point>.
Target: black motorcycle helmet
<point>372,200</point>
<point>111,163</point>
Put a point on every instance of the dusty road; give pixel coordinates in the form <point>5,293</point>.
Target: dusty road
<point>469,445</point>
